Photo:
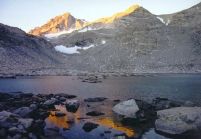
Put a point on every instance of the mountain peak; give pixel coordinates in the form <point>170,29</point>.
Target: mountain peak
<point>110,19</point>
<point>64,22</point>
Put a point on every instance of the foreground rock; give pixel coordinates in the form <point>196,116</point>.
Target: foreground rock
<point>72,105</point>
<point>179,120</point>
<point>88,127</point>
<point>14,124</point>
<point>126,108</point>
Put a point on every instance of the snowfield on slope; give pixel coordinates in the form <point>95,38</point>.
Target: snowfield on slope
<point>71,50</point>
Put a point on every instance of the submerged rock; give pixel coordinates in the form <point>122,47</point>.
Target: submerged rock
<point>179,120</point>
<point>164,103</point>
<point>59,114</point>
<point>88,127</point>
<point>126,108</point>
<point>72,105</point>
<point>94,113</point>
<point>96,99</point>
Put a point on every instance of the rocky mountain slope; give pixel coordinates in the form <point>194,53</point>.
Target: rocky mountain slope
<point>139,42</point>
<point>133,41</point>
<point>65,22</point>
<point>22,53</point>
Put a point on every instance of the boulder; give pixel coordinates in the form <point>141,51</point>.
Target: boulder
<point>8,119</point>
<point>51,102</point>
<point>126,108</point>
<point>179,120</point>
<point>164,103</point>
<point>72,105</point>
<point>33,106</point>
<point>26,123</point>
<point>23,111</point>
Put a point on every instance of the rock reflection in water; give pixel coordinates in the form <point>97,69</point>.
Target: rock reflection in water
<point>74,122</point>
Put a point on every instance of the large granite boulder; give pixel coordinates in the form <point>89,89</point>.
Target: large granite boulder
<point>127,108</point>
<point>179,120</point>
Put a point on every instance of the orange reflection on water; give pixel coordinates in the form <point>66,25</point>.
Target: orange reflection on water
<point>108,122</point>
<point>60,122</point>
<point>64,121</point>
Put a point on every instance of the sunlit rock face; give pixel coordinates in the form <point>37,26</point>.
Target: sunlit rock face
<point>65,22</point>
<point>107,21</point>
<point>68,23</point>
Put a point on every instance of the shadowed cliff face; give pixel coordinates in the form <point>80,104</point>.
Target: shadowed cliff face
<point>65,22</point>
<point>20,51</point>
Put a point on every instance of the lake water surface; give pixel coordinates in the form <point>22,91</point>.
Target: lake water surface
<point>180,87</point>
<point>173,86</point>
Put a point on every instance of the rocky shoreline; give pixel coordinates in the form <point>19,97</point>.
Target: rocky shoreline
<point>24,115</point>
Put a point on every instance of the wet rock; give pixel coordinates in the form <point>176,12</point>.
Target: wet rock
<point>108,132</point>
<point>91,79</point>
<point>179,120</point>
<point>32,136</point>
<point>72,105</point>
<point>62,99</point>
<point>17,136</point>
<point>146,112</point>
<point>94,113</point>
<point>14,123</point>
<point>67,96</point>
<point>189,104</point>
<point>88,127</point>
<point>97,99</point>
<point>51,102</point>
<point>38,127</point>
<point>116,100</point>
<point>33,106</point>
<point>26,123</point>
<point>23,111</point>
<point>164,103</point>
<point>8,119</point>
<point>59,114</point>
<point>126,108</point>
<point>15,130</point>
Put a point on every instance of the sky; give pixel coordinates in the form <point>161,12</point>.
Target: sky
<point>28,14</point>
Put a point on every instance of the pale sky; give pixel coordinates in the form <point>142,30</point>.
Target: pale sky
<point>27,14</point>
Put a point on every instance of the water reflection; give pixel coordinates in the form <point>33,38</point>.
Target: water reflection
<point>76,120</point>
<point>109,122</point>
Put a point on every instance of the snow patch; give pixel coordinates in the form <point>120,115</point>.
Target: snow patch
<point>87,29</point>
<point>54,35</point>
<point>67,50</point>
<point>86,47</point>
<point>71,50</point>
<point>103,42</point>
<point>163,21</point>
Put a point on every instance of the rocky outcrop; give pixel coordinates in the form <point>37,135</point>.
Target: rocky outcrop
<point>179,120</point>
<point>65,22</point>
<point>127,108</point>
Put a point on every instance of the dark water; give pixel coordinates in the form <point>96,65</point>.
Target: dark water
<point>180,87</point>
<point>173,86</point>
